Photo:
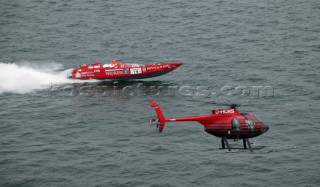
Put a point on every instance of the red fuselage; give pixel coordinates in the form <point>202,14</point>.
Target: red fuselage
<point>228,123</point>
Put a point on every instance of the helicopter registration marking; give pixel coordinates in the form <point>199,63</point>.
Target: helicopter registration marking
<point>224,111</point>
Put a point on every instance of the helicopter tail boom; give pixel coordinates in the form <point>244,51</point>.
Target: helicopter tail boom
<point>161,117</point>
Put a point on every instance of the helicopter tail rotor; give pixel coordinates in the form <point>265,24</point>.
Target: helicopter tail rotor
<point>161,119</point>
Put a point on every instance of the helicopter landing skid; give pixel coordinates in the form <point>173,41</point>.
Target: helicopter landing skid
<point>225,143</point>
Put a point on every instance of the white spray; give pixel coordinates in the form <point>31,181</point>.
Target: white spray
<point>27,77</point>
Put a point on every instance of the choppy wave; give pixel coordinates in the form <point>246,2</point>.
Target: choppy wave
<point>26,77</point>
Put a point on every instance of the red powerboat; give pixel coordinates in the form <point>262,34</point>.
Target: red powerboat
<point>122,70</point>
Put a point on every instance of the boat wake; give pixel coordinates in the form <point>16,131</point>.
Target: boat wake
<point>27,77</point>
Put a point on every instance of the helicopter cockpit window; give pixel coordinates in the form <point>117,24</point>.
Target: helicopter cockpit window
<point>235,122</point>
<point>250,123</point>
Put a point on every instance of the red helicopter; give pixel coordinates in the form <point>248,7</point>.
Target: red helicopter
<point>226,123</point>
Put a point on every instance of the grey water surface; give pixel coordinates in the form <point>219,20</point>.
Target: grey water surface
<point>58,134</point>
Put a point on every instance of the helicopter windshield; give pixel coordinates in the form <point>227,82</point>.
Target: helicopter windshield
<point>250,123</point>
<point>235,122</point>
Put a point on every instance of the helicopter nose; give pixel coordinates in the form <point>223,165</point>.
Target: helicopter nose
<point>264,128</point>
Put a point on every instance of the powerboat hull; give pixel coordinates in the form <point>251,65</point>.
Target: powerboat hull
<point>122,70</point>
